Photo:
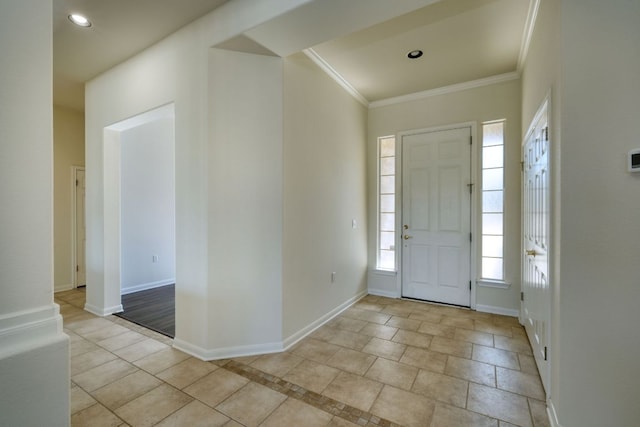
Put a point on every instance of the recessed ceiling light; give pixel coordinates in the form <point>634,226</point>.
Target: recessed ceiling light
<point>414,54</point>
<point>79,20</point>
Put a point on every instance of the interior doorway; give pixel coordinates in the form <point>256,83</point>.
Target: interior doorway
<point>79,228</point>
<point>139,204</point>
<point>436,215</point>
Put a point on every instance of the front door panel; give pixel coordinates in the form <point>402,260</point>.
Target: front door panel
<point>436,209</point>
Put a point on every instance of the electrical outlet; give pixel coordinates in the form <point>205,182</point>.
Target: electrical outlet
<point>154,258</point>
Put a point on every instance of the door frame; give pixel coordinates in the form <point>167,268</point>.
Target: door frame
<point>473,206</point>
<point>74,223</point>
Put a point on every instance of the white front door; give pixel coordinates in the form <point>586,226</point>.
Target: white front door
<point>436,216</point>
<point>536,296</point>
<point>80,229</point>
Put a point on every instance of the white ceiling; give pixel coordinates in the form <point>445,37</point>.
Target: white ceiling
<point>462,41</point>
<point>120,29</point>
<point>366,42</point>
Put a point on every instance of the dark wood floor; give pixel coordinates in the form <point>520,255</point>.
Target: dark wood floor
<point>154,309</point>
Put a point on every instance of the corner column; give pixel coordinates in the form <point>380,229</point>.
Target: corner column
<point>34,351</point>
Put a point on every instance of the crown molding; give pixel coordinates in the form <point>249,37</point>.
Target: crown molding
<point>500,78</point>
<point>327,68</point>
<point>530,24</point>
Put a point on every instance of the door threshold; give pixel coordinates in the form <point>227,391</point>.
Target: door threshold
<point>446,304</point>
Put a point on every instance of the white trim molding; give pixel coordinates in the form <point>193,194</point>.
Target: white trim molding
<point>530,24</point>
<point>24,330</point>
<point>553,416</point>
<point>296,337</point>
<point>103,312</point>
<point>226,352</point>
<point>383,283</point>
<point>147,286</point>
<point>500,78</point>
<point>331,72</point>
<point>383,293</point>
<point>62,288</point>
<point>498,310</point>
<point>486,283</point>
<point>265,348</point>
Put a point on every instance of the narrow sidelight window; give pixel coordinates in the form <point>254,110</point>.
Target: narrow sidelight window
<point>386,203</point>
<point>493,200</point>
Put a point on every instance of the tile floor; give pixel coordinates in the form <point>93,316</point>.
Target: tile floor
<point>382,362</point>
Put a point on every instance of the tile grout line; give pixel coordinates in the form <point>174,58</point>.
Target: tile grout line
<point>319,401</point>
<point>273,382</point>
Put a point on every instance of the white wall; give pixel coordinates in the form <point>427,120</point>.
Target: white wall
<point>495,101</point>
<point>590,61</point>
<point>34,352</point>
<point>174,71</point>
<point>177,70</point>
<point>147,206</point>
<point>68,151</point>
<point>229,118</point>
<point>245,203</point>
<point>324,190</point>
<point>600,214</point>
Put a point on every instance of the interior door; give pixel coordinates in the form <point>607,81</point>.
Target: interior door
<point>436,216</point>
<point>536,294</point>
<point>80,229</point>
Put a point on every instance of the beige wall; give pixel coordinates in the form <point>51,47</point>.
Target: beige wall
<point>585,54</point>
<point>496,101</point>
<point>68,151</point>
<point>245,201</point>
<point>324,191</point>
<point>600,215</point>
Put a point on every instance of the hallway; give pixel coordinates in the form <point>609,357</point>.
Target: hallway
<point>382,362</point>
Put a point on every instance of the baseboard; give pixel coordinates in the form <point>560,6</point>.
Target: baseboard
<point>266,348</point>
<point>62,288</point>
<point>553,416</point>
<point>382,293</point>
<point>103,312</point>
<point>226,352</point>
<point>498,310</point>
<point>22,330</point>
<point>302,333</point>
<point>146,286</point>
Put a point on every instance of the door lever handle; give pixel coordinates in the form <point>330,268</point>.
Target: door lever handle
<point>407,237</point>
<point>531,252</point>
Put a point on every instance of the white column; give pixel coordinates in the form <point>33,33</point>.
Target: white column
<point>34,352</point>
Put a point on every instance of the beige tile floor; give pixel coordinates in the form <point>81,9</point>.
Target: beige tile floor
<point>382,362</point>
